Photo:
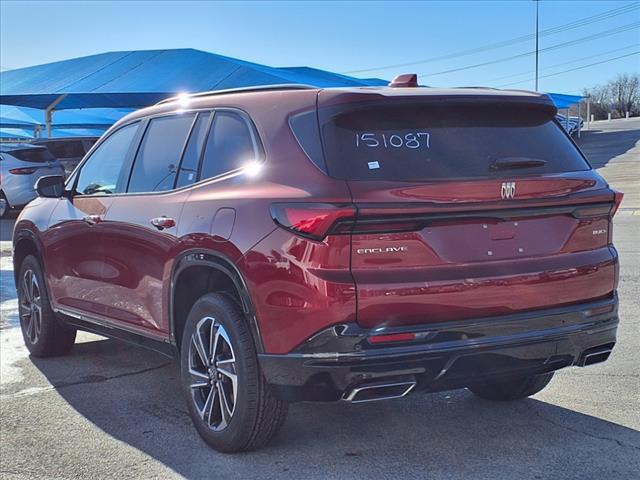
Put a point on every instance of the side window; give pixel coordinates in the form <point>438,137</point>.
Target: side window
<point>100,173</point>
<point>229,145</point>
<point>189,167</point>
<point>156,163</point>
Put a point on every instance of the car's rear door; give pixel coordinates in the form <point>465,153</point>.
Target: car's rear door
<point>466,211</point>
<point>140,228</point>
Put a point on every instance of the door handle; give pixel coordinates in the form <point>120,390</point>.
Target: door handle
<point>163,222</point>
<point>92,219</point>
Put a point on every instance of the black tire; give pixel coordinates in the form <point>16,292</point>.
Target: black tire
<point>4,206</point>
<point>513,389</point>
<point>42,331</point>
<point>256,415</point>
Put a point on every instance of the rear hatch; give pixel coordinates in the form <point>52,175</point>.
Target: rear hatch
<point>36,160</point>
<point>466,208</point>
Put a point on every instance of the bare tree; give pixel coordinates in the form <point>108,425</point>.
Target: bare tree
<point>600,105</point>
<point>625,92</point>
<point>617,97</point>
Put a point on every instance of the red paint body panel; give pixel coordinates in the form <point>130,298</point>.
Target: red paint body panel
<point>138,259</point>
<point>478,267</point>
<point>445,294</point>
<point>299,287</point>
<point>74,250</point>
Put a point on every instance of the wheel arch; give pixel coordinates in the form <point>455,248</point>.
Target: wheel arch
<point>197,272</point>
<point>25,243</point>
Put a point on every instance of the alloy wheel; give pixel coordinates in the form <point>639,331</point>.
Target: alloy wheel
<point>214,379</point>
<point>30,306</point>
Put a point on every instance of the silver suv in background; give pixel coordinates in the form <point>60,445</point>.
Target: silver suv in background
<point>69,150</point>
<point>21,165</point>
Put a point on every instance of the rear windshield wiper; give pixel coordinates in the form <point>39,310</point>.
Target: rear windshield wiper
<point>516,162</point>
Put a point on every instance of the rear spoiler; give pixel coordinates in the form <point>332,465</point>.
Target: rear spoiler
<point>537,101</point>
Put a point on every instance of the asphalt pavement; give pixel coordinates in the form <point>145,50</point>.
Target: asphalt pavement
<point>110,410</point>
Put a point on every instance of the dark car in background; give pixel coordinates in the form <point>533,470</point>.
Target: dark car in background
<point>69,150</point>
<point>345,244</point>
<point>571,124</point>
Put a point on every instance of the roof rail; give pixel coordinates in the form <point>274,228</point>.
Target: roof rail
<point>478,87</point>
<point>258,88</point>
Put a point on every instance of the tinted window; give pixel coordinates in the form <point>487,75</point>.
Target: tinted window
<point>229,145</point>
<point>428,142</point>
<point>101,172</point>
<point>157,160</point>
<point>189,167</point>
<point>66,149</point>
<point>33,155</point>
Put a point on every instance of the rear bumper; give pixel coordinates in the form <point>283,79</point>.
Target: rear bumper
<point>331,364</point>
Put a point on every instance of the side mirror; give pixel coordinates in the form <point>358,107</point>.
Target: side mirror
<point>51,186</point>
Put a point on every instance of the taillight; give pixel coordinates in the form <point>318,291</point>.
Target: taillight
<point>22,171</point>
<point>392,337</point>
<point>313,220</point>
<point>617,200</point>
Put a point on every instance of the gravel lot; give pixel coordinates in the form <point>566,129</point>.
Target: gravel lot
<point>114,411</point>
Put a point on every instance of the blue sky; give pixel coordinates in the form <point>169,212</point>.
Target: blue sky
<point>343,36</point>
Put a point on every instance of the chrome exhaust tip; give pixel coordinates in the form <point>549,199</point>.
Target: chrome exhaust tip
<point>378,391</point>
<point>595,355</point>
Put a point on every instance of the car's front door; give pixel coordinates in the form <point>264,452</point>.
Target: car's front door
<point>74,240</point>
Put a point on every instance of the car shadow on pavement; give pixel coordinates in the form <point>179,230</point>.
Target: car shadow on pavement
<point>132,395</point>
<point>600,147</point>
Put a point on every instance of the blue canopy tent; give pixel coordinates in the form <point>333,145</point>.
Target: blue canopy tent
<point>27,134</point>
<point>86,122</point>
<point>564,102</point>
<point>16,134</point>
<point>134,79</point>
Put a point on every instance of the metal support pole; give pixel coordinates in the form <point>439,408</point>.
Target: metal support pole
<point>579,120</point>
<point>537,5</point>
<point>48,120</point>
<point>48,113</point>
<point>588,113</point>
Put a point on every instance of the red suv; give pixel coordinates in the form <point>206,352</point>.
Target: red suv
<point>292,243</point>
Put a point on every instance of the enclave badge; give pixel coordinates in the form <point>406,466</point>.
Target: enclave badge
<point>508,190</point>
<point>382,250</point>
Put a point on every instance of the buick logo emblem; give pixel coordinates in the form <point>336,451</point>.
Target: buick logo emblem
<point>508,190</point>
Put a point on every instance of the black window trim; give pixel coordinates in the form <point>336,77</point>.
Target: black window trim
<point>137,141</point>
<point>207,128</point>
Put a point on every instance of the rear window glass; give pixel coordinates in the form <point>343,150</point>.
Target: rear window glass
<point>33,155</point>
<point>66,149</point>
<point>409,142</point>
<point>229,145</point>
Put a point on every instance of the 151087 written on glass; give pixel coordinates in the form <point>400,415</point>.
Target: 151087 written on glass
<point>412,140</point>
